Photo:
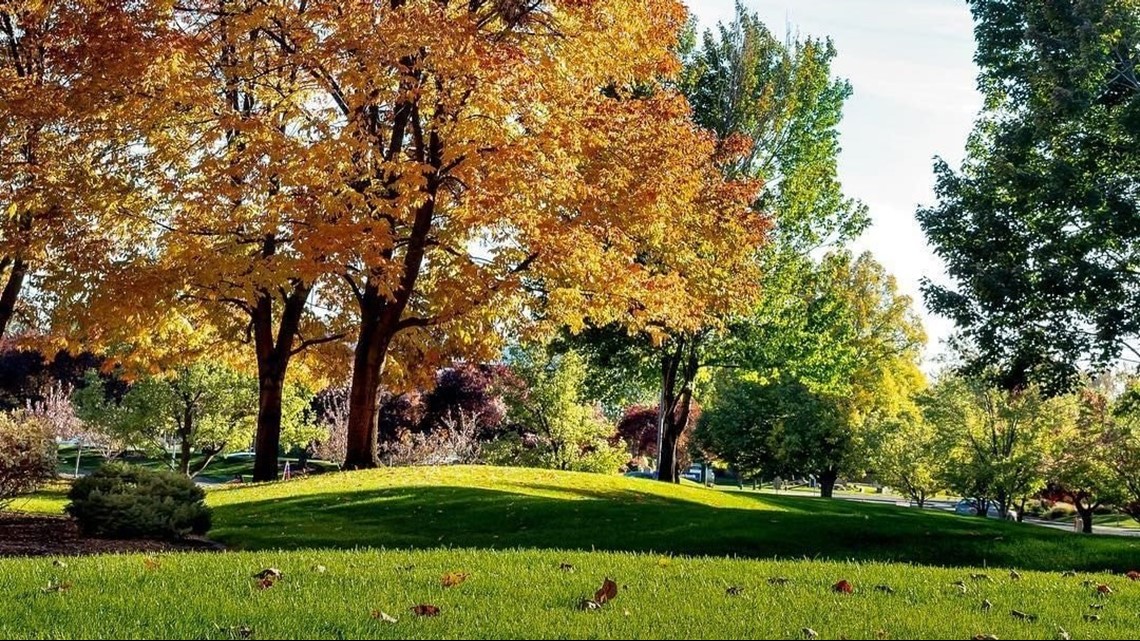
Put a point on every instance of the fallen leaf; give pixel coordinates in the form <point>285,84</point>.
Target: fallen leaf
<point>52,586</point>
<point>1013,574</point>
<point>1091,618</point>
<point>151,564</point>
<point>734,590</point>
<point>240,632</point>
<point>1103,588</point>
<point>587,604</point>
<point>986,605</point>
<point>961,585</point>
<point>810,634</point>
<point>1133,575</point>
<point>424,610</point>
<point>607,592</point>
<point>1096,606</point>
<point>885,588</point>
<point>985,637</point>
<point>59,564</point>
<point>981,577</point>
<point>1018,614</point>
<point>266,583</point>
<point>269,573</point>
<point>383,616</point>
<point>319,569</point>
<point>1063,634</point>
<point>843,587</point>
<point>882,634</point>
<point>452,579</point>
<point>566,567</point>
<point>778,580</point>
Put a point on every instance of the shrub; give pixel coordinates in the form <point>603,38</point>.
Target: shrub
<point>125,501</point>
<point>27,454</point>
<point>1061,511</point>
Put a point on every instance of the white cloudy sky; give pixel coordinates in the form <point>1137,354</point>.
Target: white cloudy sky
<point>911,65</point>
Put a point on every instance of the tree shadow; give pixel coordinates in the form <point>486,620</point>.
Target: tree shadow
<point>629,521</point>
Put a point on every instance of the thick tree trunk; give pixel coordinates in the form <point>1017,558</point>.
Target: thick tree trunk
<point>827,483</point>
<point>267,442</point>
<point>679,368</point>
<point>667,457</point>
<point>1086,513</point>
<point>17,270</point>
<point>274,352</point>
<point>364,399</point>
<point>983,508</point>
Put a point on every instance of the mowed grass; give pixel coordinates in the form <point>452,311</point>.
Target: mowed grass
<point>496,508</point>
<point>526,594</point>
<point>357,544</point>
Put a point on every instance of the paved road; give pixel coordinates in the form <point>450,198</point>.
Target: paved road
<point>948,506</point>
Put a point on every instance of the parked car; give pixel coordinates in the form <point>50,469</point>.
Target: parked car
<point>969,507</point>
<point>694,474</point>
<point>638,474</point>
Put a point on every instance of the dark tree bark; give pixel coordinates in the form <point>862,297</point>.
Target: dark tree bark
<point>185,435</point>
<point>1085,510</point>
<point>679,368</point>
<point>827,480</point>
<point>274,352</point>
<point>17,270</point>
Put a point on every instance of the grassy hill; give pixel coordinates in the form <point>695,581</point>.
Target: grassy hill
<point>674,552</point>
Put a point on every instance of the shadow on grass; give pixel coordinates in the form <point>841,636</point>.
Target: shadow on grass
<point>623,520</point>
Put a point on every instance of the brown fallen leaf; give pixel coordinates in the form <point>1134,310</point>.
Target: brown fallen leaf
<point>607,592</point>
<point>843,587</point>
<point>151,564</point>
<point>383,616</point>
<point>452,579</point>
<point>1133,575</point>
<point>566,567</point>
<point>1014,575</point>
<point>424,610</point>
<point>269,573</point>
<point>778,580</point>
<point>266,583</point>
<point>1103,588</point>
<point>1018,614</point>
<point>885,588</point>
<point>1091,618</point>
<point>734,590</point>
<point>810,634</point>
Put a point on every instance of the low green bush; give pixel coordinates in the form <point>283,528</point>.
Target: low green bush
<point>128,502</point>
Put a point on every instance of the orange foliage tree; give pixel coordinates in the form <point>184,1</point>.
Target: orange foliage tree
<point>62,65</point>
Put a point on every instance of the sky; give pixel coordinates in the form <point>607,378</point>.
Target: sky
<point>910,63</point>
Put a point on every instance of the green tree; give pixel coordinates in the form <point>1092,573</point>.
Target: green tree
<point>571,433</point>
<point>1000,445</point>
<point>1039,228</point>
<point>780,100</point>
<point>908,456</point>
<point>1083,470</point>
<point>202,407</point>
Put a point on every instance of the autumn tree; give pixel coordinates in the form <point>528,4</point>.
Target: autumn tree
<point>63,71</point>
<point>1082,470</point>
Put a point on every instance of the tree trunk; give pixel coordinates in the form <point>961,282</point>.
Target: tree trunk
<point>1086,513</point>
<point>364,394</point>
<point>827,483</point>
<point>267,442</point>
<point>983,508</point>
<point>679,365</point>
<point>274,352</point>
<point>11,293</point>
<point>667,457</point>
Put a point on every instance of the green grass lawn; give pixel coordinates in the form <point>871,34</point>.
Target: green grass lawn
<point>386,537</point>
<point>221,469</point>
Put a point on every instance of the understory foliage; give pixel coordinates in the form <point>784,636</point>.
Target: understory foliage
<point>27,454</point>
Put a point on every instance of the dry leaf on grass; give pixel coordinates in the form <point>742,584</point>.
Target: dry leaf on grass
<point>425,610</point>
<point>383,616</point>
<point>843,587</point>
<point>607,592</point>
<point>452,579</point>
